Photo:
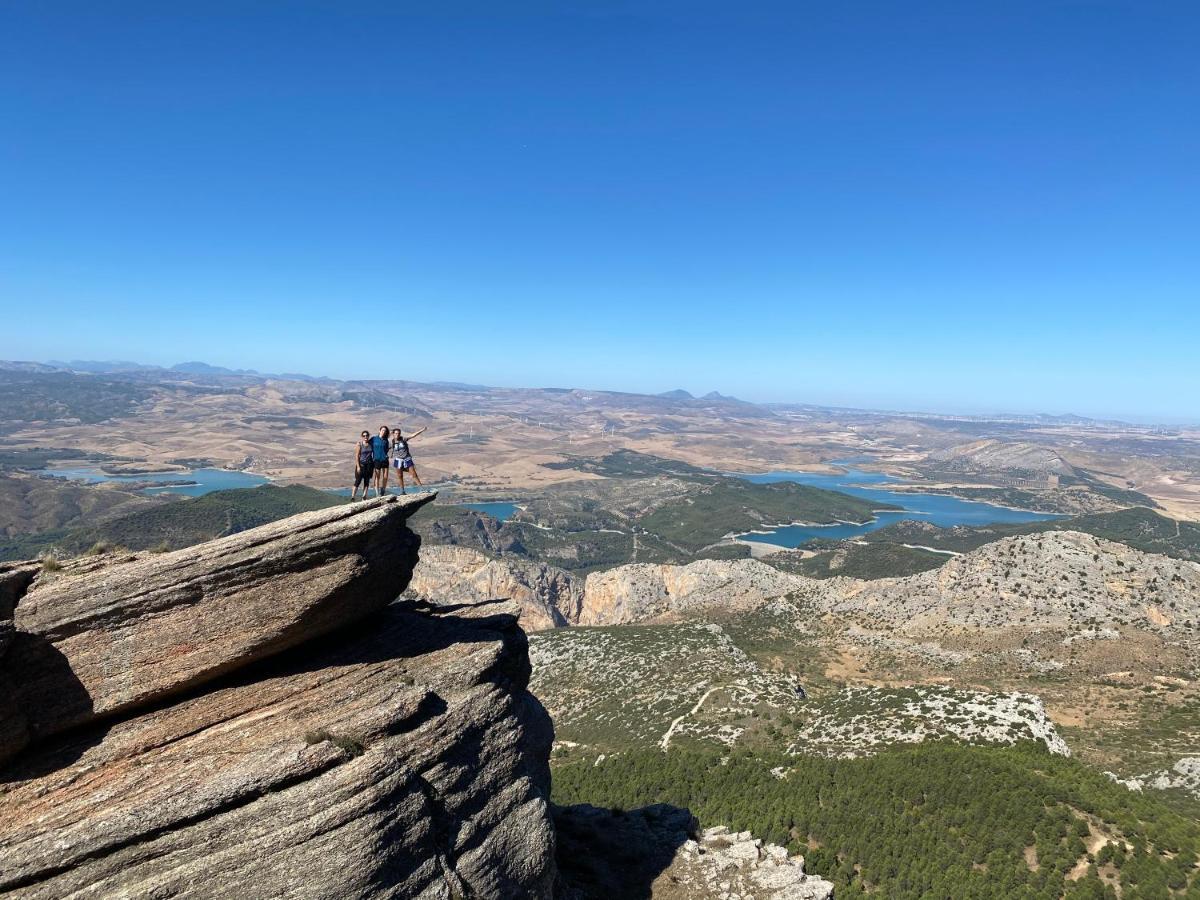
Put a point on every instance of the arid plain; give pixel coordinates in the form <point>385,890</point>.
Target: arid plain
<point>503,441</point>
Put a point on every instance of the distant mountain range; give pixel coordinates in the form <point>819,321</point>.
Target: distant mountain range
<point>203,368</point>
<point>100,367</point>
<point>116,367</point>
<point>681,394</point>
<point>200,369</point>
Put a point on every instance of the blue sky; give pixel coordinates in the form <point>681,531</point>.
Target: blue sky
<point>953,206</point>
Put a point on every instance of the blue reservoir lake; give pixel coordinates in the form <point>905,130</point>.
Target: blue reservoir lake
<point>205,480</point>
<point>937,509</point>
<point>501,511</point>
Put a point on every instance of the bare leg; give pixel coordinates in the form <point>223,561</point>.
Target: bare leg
<point>416,477</point>
<point>400,472</point>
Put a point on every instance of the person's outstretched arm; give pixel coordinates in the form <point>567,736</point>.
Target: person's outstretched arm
<point>415,433</point>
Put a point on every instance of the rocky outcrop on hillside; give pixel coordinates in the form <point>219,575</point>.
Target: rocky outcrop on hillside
<point>255,717</point>
<point>1040,601</point>
<point>462,527</point>
<point>992,455</point>
<point>1048,602</point>
<point>550,597</point>
<point>547,596</point>
<point>1054,580</point>
<point>661,851</point>
<point>718,863</point>
<point>109,634</point>
<point>641,591</point>
<point>1183,775</point>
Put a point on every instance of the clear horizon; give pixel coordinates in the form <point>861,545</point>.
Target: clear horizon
<point>698,393</point>
<point>929,207</point>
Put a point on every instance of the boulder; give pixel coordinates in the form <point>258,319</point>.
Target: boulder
<point>105,636</point>
<point>257,716</point>
<point>401,758</point>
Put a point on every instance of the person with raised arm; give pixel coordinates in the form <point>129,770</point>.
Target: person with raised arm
<point>402,460</point>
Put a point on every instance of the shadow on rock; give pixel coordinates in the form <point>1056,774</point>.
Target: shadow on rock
<point>33,660</point>
<point>421,605</point>
<point>26,753</point>
<point>606,854</point>
<point>396,632</point>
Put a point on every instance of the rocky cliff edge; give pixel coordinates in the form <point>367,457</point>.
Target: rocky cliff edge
<point>255,716</point>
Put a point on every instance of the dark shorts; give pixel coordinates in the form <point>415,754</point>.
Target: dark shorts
<point>403,464</point>
<point>363,474</point>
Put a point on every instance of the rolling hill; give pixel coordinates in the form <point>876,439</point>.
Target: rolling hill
<point>178,524</point>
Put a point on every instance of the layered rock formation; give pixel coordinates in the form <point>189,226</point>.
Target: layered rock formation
<point>1066,582</point>
<point>1056,580</point>
<point>642,591</point>
<point>991,454</point>
<point>228,733</point>
<point>548,596</point>
<point>109,634</point>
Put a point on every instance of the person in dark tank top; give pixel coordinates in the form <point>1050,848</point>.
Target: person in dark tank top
<point>364,465</point>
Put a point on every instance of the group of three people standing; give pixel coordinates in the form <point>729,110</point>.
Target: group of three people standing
<point>375,456</point>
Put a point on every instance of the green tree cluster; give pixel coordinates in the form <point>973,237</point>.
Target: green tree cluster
<point>940,820</point>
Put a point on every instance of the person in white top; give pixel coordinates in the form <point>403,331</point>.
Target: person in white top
<point>402,460</point>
